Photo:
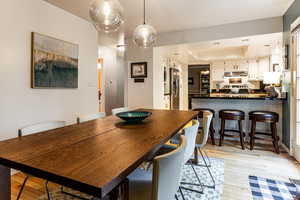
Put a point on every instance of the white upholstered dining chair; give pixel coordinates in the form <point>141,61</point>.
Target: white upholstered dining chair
<point>201,141</point>
<point>40,127</point>
<point>119,110</point>
<point>90,117</point>
<point>36,128</point>
<point>163,181</point>
<point>190,133</point>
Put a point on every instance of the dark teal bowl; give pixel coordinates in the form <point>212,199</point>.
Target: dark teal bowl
<point>134,116</point>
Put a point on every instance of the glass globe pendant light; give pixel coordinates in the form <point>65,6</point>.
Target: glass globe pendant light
<point>107,15</point>
<point>144,35</point>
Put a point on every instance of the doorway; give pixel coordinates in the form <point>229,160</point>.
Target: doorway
<point>295,102</point>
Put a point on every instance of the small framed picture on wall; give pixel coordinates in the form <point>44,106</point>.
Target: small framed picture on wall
<point>139,70</point>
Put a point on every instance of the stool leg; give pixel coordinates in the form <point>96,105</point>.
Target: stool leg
<point>222,132</point>
<point>252,134</point>
<point>275,137</point>
<point>241,134</point>
<point>212,132</point>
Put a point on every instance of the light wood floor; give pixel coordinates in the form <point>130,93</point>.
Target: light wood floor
<point>239,165</point>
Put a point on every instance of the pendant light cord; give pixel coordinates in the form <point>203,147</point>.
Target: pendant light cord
<point>144,11</point>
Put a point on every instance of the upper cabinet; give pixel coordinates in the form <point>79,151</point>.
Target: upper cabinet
<point>263,66</point>
<point>236,65</point>
<point>255,67</point>
<point>217,71</point>
<point>253,70</point>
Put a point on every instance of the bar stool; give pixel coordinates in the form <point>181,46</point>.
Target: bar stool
<point>231,114</point>
<point>211,127</point>
<point>266,117</point>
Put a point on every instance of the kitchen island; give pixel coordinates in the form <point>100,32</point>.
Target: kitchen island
<point>244,102</point>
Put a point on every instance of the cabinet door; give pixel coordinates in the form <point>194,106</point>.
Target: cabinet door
<point>230,66</point>
<point>242,65</point>
<point>217,71</point>
<point>253,70</point>
<point>263,66</point>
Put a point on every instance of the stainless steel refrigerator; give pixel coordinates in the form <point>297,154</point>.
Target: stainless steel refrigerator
<point>174,89</point>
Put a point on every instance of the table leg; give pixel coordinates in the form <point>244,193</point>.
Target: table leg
<point>121,192</point>
<point>5,183</point>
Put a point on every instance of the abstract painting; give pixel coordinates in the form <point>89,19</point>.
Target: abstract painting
<point>54,63</point>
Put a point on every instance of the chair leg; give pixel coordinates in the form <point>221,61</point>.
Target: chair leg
<point>222,132</point>
<point>212,132</point>
<point>208,169</point>
<point>47,190</point>
<point>71,195</point>
<point>194,184</point>
<point>207,158</point>
<point>181,193</point>
<point>275,137</point>
<point>252,134</point>
<point>22,187</point>
<point>241,134</point>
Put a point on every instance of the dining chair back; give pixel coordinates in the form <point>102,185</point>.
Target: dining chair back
<point>119,110</point>
<point>190,134</point>
<point>90,117</point>
<point>167,170</point>
<point>40,127</point>
<point>203,137</point>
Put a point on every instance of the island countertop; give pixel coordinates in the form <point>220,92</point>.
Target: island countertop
<point>255,96</point>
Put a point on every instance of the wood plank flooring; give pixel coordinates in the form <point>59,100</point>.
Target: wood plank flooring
<point>239,165</point>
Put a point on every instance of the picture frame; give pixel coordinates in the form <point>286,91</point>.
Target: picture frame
<point>54,63</point>
<point>139,70</point>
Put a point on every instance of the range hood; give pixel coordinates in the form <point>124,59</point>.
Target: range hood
<point>236,74</point>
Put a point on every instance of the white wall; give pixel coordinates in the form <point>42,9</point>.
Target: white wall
<point>19,104</point>
<point>140,94</point>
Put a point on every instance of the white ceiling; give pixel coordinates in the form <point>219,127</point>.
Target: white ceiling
<point>174,15</point>
<point>236,48</point>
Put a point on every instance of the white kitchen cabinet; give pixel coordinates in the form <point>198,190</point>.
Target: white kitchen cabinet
<point>253,70</point>
<point>263,66</point>
<point>217,71</point>
<point>230,66</point>
<point>236,65</point>
<point>242,65</point>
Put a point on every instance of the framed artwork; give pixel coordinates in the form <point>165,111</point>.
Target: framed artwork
<point>139,70</point>
<point>54,63</point>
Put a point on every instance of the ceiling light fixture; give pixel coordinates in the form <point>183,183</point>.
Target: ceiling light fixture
<point>144,35</point>
<point>106,15</point>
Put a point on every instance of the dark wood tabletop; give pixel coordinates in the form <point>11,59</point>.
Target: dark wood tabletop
<point>95,156</point>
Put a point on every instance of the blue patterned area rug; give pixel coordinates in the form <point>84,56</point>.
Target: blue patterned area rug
<point>268,189</point>
<point>217,169</point>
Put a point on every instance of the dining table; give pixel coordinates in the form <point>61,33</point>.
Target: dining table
<point>93,157</point>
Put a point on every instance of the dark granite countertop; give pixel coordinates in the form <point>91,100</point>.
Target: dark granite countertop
<point>235,96</point>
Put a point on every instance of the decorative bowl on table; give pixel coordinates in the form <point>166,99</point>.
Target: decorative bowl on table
<point>134,116</point>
